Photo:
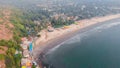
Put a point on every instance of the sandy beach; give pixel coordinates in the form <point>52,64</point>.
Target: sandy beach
<point>59,35</point>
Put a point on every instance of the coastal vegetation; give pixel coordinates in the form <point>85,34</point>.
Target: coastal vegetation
<point>60,22</point>
<point>11,59</point>
<point>10,45</point>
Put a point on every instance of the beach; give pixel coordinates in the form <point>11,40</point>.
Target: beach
<point>95,47</point>
<point>49,40</point>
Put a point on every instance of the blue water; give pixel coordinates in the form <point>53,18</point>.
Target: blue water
<point>98,47</point>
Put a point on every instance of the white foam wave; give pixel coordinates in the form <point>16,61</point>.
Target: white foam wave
<point>112,24</point>
<point>102,27</point>
<point>76,38</point>
<point>106,26</point>
<point>56,47</point>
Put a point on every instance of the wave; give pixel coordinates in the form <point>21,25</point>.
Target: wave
<point>106,26</point>
<point>53,49</point>
<point>102,27</point>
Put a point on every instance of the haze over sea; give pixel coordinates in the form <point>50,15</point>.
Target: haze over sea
<point>98,47</point>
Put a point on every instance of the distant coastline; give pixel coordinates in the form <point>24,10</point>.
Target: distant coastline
<point>49,40</point>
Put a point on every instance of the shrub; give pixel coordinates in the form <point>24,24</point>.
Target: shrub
<point>2,57</point>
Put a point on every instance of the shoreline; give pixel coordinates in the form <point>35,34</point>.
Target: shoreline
<point>44,46</point>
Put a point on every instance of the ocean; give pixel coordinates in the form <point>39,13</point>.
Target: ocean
<point>98,47</point>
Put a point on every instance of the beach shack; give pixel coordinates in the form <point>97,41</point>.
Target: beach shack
<point>29,64</point>
<point>23,61</point>
<point>26,62</point>
<point>50,29</point>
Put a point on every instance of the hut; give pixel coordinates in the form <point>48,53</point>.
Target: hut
<point>50,29</point>
<point>23,61</point>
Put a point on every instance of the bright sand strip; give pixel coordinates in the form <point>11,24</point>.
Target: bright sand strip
<point>48,36</point>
